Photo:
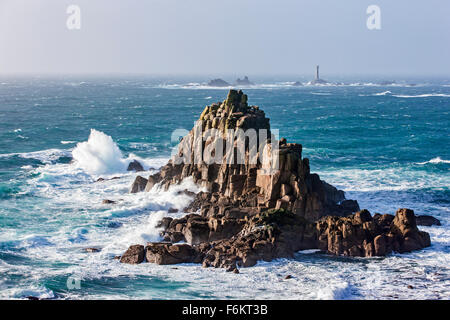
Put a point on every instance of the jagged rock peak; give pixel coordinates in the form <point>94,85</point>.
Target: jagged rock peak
<point>273,176</point>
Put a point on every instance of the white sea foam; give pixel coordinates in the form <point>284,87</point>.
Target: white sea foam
<point>321,93</point>
<point>435,161</point>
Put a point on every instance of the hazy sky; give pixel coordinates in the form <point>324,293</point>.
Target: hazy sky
<point>218,37</point>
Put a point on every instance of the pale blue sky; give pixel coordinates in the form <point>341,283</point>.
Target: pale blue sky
<point>218,37</point>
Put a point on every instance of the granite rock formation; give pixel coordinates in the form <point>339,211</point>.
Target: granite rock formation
<point>267,206</point>
<point>365,236</point>
<point>242,238</point>
<point>428,221</point>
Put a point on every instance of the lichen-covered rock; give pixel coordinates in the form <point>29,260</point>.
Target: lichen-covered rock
<point>218,83</point>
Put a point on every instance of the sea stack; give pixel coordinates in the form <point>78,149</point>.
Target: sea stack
<point>218,83</point>
<point>267,206</point>
<point>243,82</point>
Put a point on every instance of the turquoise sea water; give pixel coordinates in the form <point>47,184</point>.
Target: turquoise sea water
<point>386,146</point>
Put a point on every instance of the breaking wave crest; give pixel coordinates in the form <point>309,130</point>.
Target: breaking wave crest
<point>101,155</point>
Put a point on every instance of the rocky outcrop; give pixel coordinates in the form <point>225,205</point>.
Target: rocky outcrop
<point>266,206</point>
<point>427,221</point>
<point>168,253</point>
<point>135,166</point>
<point>243,82</point>
<point>218,83</point>
<point>251,184</point>
<point>138,185</point>
<point>365,236</point>
<point>240,239</point>
<point>135,254</point>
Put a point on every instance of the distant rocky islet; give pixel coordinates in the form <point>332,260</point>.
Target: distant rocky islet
<point>247,215</point>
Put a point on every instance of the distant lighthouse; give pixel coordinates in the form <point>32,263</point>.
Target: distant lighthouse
<point>317,80</point>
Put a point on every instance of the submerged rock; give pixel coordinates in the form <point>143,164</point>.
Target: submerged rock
<point>138,185</point>
<point>427,221</point>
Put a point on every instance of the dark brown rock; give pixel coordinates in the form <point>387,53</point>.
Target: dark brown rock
<point>164,223</point>
<point>135,254</point>
<point>362,235</point>
<point>249,213</point>
<point>92,250</point>
<point>107,201</point>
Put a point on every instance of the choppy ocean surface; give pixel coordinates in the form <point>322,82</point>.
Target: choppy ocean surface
<point>386,146</point>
